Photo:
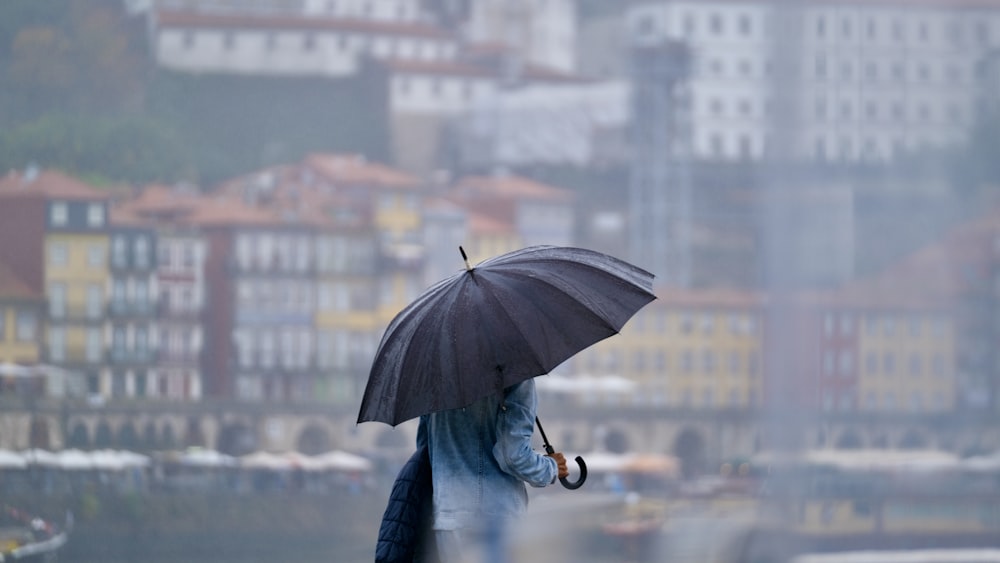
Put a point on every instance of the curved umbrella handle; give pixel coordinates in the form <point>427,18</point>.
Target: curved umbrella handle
<point>579,461</point>
<point>579,482</point>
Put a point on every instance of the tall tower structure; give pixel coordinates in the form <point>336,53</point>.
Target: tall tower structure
<point>660,180</point>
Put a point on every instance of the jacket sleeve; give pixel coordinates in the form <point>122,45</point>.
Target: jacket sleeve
<point>515,425</point>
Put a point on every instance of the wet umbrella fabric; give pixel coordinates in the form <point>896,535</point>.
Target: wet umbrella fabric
<point>511,318</point>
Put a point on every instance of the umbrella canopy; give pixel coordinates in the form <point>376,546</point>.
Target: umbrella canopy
<point>509,319</point>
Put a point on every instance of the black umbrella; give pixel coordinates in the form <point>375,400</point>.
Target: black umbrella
<point>510,318</point>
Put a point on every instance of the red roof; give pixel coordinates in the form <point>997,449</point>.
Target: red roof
<point>508,186</point>
<point>354,169</point>
<point>11,287</point>
<point>49,184</point>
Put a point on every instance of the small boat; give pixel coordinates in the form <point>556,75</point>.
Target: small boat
<point>26,538</point>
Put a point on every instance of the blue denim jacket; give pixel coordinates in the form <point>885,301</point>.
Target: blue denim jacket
<point>481,457</point>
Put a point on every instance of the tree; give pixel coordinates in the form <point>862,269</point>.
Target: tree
<point>112,149</point>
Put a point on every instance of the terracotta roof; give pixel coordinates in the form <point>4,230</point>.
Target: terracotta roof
<point>353,169</point>
<point>11,287</point>
<point>123,215</point>
<point>511,187</point>
<point>316,23</point>
<point>49,184</point>
<point>229,211</point>
<point>485,225</point>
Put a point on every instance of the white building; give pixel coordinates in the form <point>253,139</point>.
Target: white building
<point>543,33</point>
<point>291,44</point>
<point>871,81</point>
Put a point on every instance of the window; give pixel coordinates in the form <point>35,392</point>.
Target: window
<point>708,361</point>
<point>26,329</point>
<point>95,215</point>
<point>141,293</point>
<point>58,254</point>
<point>846,325</point>
<point>820,66</point>
<point>871,363</point>
<point>734,363</point>
<point>871,71</point>
<point>937,364</point>
<point>58,214</point>
<point>141,342</point>
<point>118,341</point>
<point>57,344</point>
<point>845,362</point>
<point>888,363</point>
<point>309,42</point>
<point>707,323</point>
<point>188,39</point>
<point>118,256</point>
<point>3,325</point>
<point>687,361</point>
<point>141,252</point>
<point>715,24</point>
<point>95,300</point>
<point>118,292</point>
<point>93,345</point>
<point>745,26</point>
<point>57,300</point>
<point>916,365</point>
<point>228,40</point>
<point>828,363</point>
<point>95,256</point>
<point>820,27</point>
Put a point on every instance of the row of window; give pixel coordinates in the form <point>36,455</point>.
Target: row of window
<point>872,112</point>
<point>851,27</point>
<point>275,295</point>
<point>141,253</point>
<point>842,363</point>
<point>854,26</point>
<point>706,398</point>
<point>307,42</point>
<point>915,401</point>
<point>658,322</point>
<point>93,344</point>
<point>885,325</point>
<point>59,214</point>
<point>59,255</point>
<point>689,361</point>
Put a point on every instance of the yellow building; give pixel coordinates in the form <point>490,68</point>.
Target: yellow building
<point>55,237</point>
<point>21,317</point>
<point>906,361</point>
<point>689,348</point>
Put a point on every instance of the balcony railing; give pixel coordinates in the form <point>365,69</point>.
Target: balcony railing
<point>132,309</point>
<point>122,356</point>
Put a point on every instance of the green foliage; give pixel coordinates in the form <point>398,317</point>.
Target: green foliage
<point>114,149</point>
<point>235,124</point>
<point>80,94</point>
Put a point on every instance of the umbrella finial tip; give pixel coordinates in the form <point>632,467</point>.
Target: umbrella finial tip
<point>466,258</point>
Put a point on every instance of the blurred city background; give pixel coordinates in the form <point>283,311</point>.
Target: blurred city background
<point>211,209</point>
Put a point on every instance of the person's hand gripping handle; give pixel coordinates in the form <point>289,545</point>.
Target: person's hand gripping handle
<point>579,461</point>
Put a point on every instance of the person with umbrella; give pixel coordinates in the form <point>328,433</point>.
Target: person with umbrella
<point>462,358</point>
<point>481,459</point>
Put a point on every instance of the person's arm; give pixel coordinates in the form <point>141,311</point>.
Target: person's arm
<point>515,425</point>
